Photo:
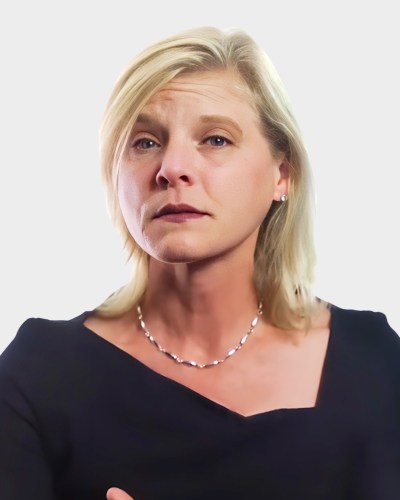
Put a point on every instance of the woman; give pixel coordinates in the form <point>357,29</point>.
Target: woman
<point>215,372</point>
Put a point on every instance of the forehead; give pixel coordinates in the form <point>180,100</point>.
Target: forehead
<point>213,87</point>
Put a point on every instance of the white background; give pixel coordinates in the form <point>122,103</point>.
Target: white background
<point>60,254</point>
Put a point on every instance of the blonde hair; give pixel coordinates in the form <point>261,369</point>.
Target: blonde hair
<point>284,259</point>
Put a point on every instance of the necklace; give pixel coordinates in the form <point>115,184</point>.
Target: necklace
<point>187,362</point>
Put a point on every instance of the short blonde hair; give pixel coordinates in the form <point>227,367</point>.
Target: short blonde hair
<point>284,259</point>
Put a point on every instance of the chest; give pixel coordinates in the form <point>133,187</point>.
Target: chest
<point>259,380</point>
<point>269,373</point>
<point>149,426</point>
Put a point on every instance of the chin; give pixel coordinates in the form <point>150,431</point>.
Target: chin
<point>176,250</point>
<point>177,255</point>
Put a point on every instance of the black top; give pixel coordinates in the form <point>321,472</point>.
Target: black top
<point>78,415</point>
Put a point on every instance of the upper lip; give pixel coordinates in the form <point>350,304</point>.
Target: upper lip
<point>176,209</point>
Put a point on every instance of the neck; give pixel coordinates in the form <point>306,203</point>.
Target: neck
<point>200,308</point>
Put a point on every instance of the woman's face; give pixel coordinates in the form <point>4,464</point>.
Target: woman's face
<point>199,176</point>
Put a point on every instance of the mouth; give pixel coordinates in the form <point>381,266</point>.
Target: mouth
<point>181,208</point>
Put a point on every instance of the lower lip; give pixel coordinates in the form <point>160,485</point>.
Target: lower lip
<point>181,216</point>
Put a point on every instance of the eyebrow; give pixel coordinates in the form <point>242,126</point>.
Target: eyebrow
<point>146,118</point>
<point>225,120</point>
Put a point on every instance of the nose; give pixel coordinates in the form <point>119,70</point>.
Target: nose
<point>177,165</point>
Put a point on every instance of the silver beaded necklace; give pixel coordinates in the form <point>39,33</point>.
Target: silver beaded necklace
<point>187,362</point>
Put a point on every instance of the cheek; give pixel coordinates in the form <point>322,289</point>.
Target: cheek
<point>129,198</point>
<point>254,191</point>
<point>247,203</point>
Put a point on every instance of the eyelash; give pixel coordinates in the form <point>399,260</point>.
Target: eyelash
<point>226,141</point>
<point>147,140</point>
<point>136,144</point>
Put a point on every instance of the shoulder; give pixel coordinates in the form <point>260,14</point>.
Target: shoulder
<point>38,340</point>
<point>369,326</point>
<point>365,361</point>
<point>367,340</point>
<point>34,329</point>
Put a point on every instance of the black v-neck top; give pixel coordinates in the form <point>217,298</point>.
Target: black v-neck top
<point>79,415</point>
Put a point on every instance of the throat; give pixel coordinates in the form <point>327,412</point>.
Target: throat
<point>190,362</point>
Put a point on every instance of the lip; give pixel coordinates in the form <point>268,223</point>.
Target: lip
<point>180,208</point>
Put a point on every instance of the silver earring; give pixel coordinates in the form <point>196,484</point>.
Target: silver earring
<point>284,198</point>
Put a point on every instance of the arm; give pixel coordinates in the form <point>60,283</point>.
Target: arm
<point>378,458</point>
<point>24,472</point>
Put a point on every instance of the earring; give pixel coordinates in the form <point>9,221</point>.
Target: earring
<point>284,198</point>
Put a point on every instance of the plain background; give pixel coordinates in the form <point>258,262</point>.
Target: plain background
<point>339,62</point>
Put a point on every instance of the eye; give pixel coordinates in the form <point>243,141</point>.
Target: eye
<point>217,141</point>
<point>144,143</point>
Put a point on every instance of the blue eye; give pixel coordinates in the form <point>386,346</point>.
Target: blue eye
<point>144,143</point>
<point>217,141</point>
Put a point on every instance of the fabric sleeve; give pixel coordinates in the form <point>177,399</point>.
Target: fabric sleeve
<point>24,472</point>
<point>378,460</point>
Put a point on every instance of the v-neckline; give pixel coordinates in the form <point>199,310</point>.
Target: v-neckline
<point>322,387</point>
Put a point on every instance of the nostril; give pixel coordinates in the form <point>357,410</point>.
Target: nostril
<point>170,180</point>
<point>162,181</point>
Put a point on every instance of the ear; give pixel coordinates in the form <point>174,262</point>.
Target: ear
<point>282,179</point>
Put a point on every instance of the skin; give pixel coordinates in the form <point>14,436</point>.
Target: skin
<point>224,167</point>
<point>199,142</point>
<point>117,494</point>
